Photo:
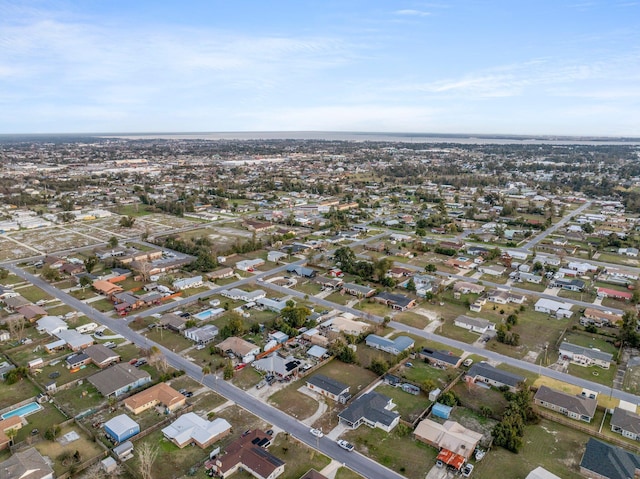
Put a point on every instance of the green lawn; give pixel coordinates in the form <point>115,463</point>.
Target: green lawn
<point>339,298</point>
<point>102,305</point>
<point>13,394</point>
<point>169,339</point>
<point>589,340</point>
<point>346,473</point>
<point>79,399</point>
<point>594,373</point>
<point>412,319</point>
<point>399,452</point>
<point>298,457</point>
<point>34,294</point>
<point>555,447</point>
<point>40,420</point>
<point>293,402</point>
<point>246,378</point>
<point>422,371</point>
<point>354,376</point>
<point>408,405</point>
<point>474,397</point>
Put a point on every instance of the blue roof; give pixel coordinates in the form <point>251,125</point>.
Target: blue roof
<point>441,410</point>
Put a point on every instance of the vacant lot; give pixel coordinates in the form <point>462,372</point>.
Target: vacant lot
<point>354,376</point>
<point>422,371</point>
<point>23,389</point>
<point>293,402</point>
<point>557,448</point>
<point>397,451</point>
<point>54,449</point>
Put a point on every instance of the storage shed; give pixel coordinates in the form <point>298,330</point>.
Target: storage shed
<point>121,428</point>
<point>440,410</point>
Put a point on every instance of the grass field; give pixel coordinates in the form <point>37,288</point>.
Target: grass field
<point>354,376</point>
<point>555,447</point>
<point>346,473</point>
<point>293,402</point>
<point>246,378</point>
<point>40,420</point>
<point>400,453</point>
<point>594,373</point>
<point>413,319</point>
<point>422,371</point>
<point>79,399</point>
<point>10,395</point>
<point>33,294</point>
<point>409,406</point>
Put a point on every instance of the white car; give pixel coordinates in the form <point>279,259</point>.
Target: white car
<point>467,470</point>
<point>345,445</point>
<point>316,432</point>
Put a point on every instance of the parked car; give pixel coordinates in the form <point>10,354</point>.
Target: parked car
<point>316,433</point>
<point>467,470</point>
<point>467,362</point>
<point>345,445</point>
<point>54,374</point>
<point>182,391</point>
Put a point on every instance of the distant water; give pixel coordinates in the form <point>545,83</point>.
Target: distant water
<point>383,137</point>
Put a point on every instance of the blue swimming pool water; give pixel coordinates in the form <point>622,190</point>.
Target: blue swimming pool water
<point>22,410</point>
<point>203,315</point>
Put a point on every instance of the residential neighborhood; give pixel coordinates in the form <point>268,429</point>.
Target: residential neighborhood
<point>317,309</point>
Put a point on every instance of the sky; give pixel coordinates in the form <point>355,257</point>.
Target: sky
<point>524,67</point>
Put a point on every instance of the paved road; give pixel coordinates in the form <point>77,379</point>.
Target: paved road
<point>359,463</point>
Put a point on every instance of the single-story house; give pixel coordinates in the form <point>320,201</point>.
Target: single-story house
<point>275,256</point>
<point>501,296</point>
<point>246,296</point>
<point>626,423</point>
<point>75,340</point>
<point>464,287</point>
<point>31,311</point>
<point>395,301</point>
<point>27,464</point>
<point>160,393</point>
<point>373,409</point>
<point>275,305</point>
<point>249,453</point>
<point>476,325</point>
<point>393,346</point>
<point>329,387</point>
<point>220,274</point>
<point>599,318</point>
<point>483,372</point>
<point>75,361</point>
<point>550,306</point>
<point>202,335</point>
<point>244,350</point>
<point>584,356</point>
<point>102,356</point>
<point>492,270</point>
<point>249,264</point>
<point>574,406</point>
<point>173,322</point>
<point>613,293</point>
<point>192,429</point>
<point>119,379</point>
<point>604,461</point>
<point>186,283</point>
<point>51,325</point>
<point>572,284</point>
<point>7,426</point>
<point>120,428</point>
<point>440,357</point>
<point>450,436</point>
<point>274,363</point>
<point>358,290</point>
<point>301,271</point>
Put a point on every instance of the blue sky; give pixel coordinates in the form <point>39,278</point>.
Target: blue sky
<point>472,66</point>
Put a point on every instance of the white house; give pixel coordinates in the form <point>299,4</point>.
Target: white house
<point>476,325</point>
<point>558,308</point>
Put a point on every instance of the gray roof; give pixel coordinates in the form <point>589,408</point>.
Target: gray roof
<point>117,377</point>
<point>478,322</point>
<point>99,353</point>
<point>359,288</point>
<point>398,299</point>
<point>589,352</point>
<point>370,406</point>
<point>441,355</point>
<point>485,370</point>
<point>576,404</point>
<point>609,461</point>
<point>28,464</point>
<point>326,383</point>
<point>626,420</point>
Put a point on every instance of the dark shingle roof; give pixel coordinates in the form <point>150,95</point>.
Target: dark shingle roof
<point>487,371</point>
<point>330,385</point>
<point>583,406</point>
<point>626,420</point>
<point>609,461</point>
<point>370,406</point>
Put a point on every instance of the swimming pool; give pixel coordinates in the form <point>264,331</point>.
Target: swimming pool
<point>23,410</point>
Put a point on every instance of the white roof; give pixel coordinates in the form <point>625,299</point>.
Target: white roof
<point>552,305</point>
<point>51,323</point>
<point>541,473</point>
<point>120,424</point>
<point>191,426</point>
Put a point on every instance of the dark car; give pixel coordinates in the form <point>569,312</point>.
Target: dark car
<point>54,374</point>
<point>188,394</point>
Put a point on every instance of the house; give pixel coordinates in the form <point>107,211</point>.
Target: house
<point>559,309</point>
<point>159,394</point>
<point>440,358</point>
<point>275,256</point>
<point>449,436</point>
<point>102,356</point>
<point>186,283</point>
<point>584,356</point>
<point>106,288</point>
<point>221,274</point>
<point>51,325</point>
<point>202,335</point>
<point>633,252</point>
<point>243,350</point>
<point>398,272</point>
<point>249,454</point>
<point>313,474</point>
<point>483,373</point>
<point>613,293</point>
<point>464,287</point>
<point>31,311</point>
<point>119,379</point>
<point>246,296</point>
<point>529,278</point>
<point>120,428</point>
<point>8,428</point>
<point>626,423</point>
<point>475,325</point>
<point>249,264</point>
<point>76,361</point>
<point>599,318</point>
<point>604,461</point>
<point>301,271</point>
<point>75,340</point>
<point>541,473</point>
<point>275,305</point>
<point>27,464</point>
<point>574,406</point>
<point>329,387</point>
<point>501,296</point>
<point>192,429</point>
<point>572,284</point>
<point>358,290</point>
<point>6,292</point>
<point>173,322</point>
<point>393,346</point>
<point>278,365</point>
<point>5,367</point>
<point>399,302</point>
<point>328,283</point>
<point>13,303</point>
<point>492,270</point>
<point>373,409</point>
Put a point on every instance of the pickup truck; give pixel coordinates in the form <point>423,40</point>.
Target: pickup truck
<point>345,445</point>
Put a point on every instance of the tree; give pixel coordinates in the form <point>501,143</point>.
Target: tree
<point>113,242</point>
<point>628,335</point>
<point>90,263</point>
<point>379,366</point>
<point>85,281</point>
<point>127,221</point>
<point>52,432</point>
<point>430,268</point>
<point>228,370</point>
<point>50,274</point>
<point>346,257</point>
<point>147,455</point>
<point>205,370</point>
<point>16,326</point>
<point>4,273</point>
<point>411,285</point>
<point>295,316</point>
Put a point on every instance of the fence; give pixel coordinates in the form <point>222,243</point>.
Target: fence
<point>574,424</point>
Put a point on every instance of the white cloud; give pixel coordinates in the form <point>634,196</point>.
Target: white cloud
<point>412,13</point>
